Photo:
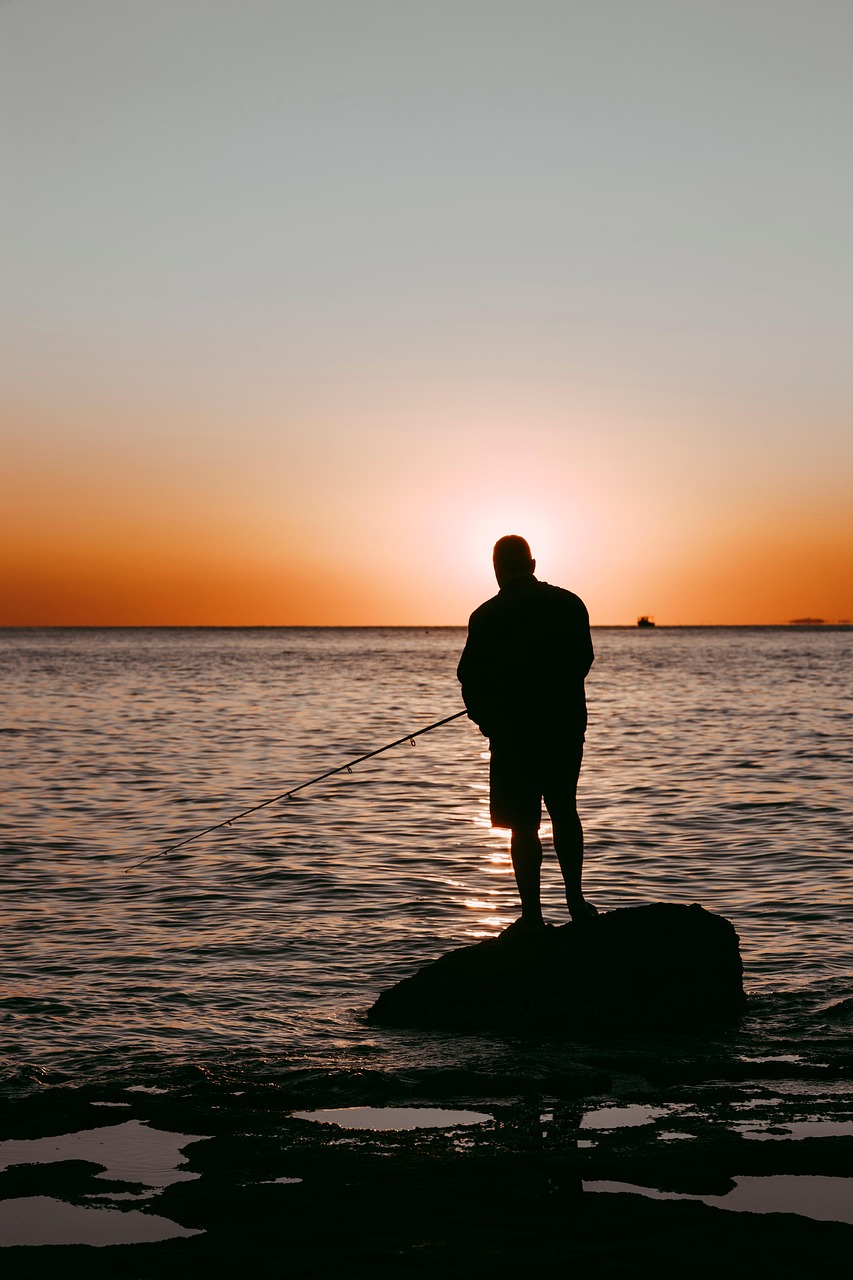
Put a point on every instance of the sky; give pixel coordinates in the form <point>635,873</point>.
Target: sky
<point>307,302</point>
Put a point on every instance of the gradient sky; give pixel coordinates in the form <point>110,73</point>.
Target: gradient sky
<point>306,302</point>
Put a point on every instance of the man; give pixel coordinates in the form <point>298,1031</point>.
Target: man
<point>522,675</point>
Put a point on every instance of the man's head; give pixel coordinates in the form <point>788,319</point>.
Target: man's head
<point>512,559</point>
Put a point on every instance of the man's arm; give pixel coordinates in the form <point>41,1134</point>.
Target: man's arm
<point>587,653</point>
<point>472,676</point>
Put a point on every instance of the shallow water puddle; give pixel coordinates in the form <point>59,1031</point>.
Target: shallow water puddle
<point>827,1199</point>
<point>39,1220</point>
<point>129,1152</point>
<point>775,1057</point>
<point>395,1117</point>
<point>785,1130</point>
<point>624,1117</point>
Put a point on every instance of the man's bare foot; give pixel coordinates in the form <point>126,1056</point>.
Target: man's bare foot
<point>583,910</point>
<point>525,924</point>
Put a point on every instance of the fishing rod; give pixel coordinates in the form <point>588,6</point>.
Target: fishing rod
<point>286,795</point>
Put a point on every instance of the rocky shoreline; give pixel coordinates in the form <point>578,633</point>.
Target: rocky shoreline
<point>661,967</point>
<point>276,1193</point>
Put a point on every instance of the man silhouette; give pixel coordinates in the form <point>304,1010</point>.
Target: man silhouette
<point>522,674</point>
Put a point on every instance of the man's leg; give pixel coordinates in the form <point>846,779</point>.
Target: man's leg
<point>526,851</point>
<point>568,846</point>
<point>561,802</point>
<point>515,802</point>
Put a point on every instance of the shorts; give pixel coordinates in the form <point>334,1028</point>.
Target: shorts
<point>521,776</point>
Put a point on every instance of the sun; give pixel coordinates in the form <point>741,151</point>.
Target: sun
<point>481,529</point>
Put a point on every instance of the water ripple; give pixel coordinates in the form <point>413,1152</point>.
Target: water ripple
<point>717,770</point>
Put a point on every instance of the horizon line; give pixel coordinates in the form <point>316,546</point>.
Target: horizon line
<point>815,624</point>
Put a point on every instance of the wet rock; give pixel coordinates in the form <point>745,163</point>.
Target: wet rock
<point>661,967</point>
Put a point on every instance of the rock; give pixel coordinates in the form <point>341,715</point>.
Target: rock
<point>661,967</point>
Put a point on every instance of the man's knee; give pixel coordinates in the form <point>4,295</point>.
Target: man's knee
<point>565,818</point>
<point>526,839</point>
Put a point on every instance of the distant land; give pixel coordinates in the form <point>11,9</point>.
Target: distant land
<point>818,622</point>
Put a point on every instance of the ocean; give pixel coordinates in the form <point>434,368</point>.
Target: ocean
<point>717,770</point>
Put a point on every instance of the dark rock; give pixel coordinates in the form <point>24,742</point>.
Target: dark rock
<point>661,967</point>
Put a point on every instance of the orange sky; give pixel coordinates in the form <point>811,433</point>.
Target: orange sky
<point>392,521</point>
<point>301,315</point>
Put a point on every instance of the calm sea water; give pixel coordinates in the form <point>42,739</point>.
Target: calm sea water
<point>717,771</point>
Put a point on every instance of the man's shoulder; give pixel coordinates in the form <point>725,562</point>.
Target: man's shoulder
<point>509,603</point>
<point>561,598</point>
<point>485,610</point>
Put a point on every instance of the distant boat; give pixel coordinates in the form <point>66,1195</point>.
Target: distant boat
<point>645,621</point>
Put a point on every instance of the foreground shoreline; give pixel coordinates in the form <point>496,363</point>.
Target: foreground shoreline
<point>279,1194</point>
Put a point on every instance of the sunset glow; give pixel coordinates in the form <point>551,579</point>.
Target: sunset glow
<point>310,376</point>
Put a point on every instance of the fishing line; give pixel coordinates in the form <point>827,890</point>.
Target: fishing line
<point>291,791</point>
